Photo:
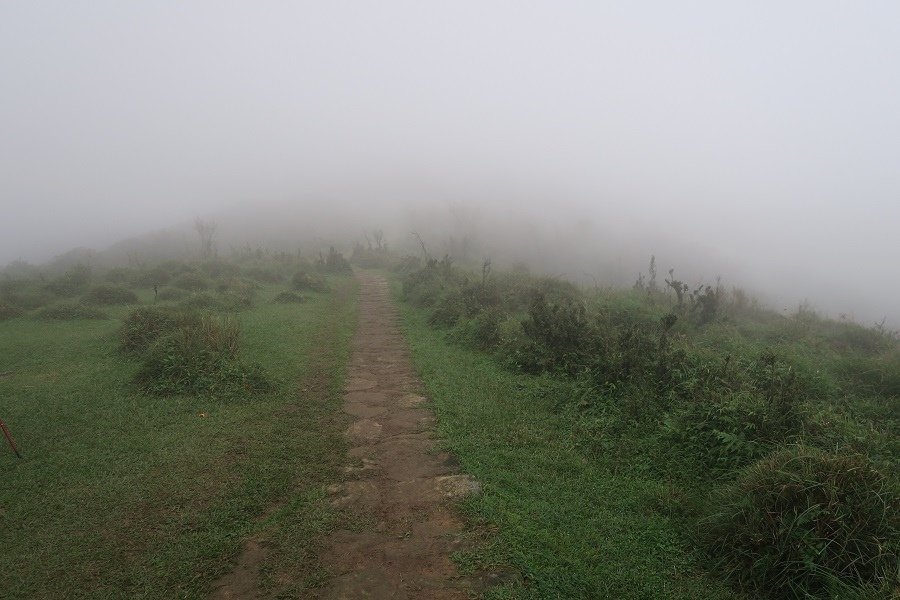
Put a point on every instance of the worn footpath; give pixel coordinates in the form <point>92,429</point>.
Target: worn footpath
<point>400,486</point>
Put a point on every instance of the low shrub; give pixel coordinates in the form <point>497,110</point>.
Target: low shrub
<point>481,331</point>
<point>202,301</point>
<point>876,375</point>
<point>172,294</point>
<point>233,302</point>
<point>108,295</point>
<point>560,336</point>
<point>369,257</point>
<point>306,282</point>
<point>333,262</point>
<point>119,275</point>
<point>724,431</point>
<point>220,268</point>
<point>72,283</point>
<point>152,277</point>
<point>805,523</point>
<point>242,288</point>
<point>288,298</point>
<point>27,299</point>
<point>191,281</point>
<point>264,275</point>
<point>407,264</point>
<point>846,337</point>
<point>70,311</point>
<point>8,311</point>
<point>200,357</point>
<point>425,286</point>
<point>448,309</point>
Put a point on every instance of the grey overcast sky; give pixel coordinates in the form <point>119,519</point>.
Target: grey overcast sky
<point>767,130</point>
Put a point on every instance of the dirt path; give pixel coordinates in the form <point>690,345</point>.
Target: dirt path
<point>400,486</point>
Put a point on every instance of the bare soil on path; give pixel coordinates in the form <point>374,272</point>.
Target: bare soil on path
<point>399,485</point>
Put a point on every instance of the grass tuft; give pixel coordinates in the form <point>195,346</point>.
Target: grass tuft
<point>70,311</point>
<point>200,356</point>
<point>288,298</point>
<point>806,523</point>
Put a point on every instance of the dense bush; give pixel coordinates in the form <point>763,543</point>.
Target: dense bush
<point>734,412</point>
<point>200,356</point>
<point>805,523</point>
<point>482,331</point>
<point>560,336</point>
<point>425,286</point>
<point>69,311</point>
<point>107,295</point>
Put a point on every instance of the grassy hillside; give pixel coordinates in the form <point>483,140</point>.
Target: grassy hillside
<point>573,524</point>
<point>132,491</point>
<point>629,440</point>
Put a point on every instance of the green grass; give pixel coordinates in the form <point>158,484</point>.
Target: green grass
<point>121,494</point>
<point>573,526</point>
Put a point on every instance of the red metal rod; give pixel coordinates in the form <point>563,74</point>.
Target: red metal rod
<point>9,438</point>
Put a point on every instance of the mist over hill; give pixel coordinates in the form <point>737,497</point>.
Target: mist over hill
<point>570,243</point>
<point>755,142</point>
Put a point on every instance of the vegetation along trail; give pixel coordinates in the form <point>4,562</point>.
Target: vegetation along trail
<point>398,484</point>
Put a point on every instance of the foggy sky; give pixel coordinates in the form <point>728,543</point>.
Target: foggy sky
<point>764,135</point>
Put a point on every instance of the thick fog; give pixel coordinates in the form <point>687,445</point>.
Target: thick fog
<point>759,141</point>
